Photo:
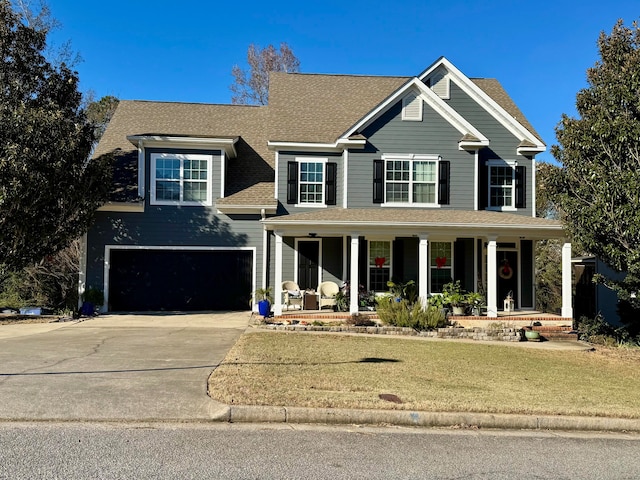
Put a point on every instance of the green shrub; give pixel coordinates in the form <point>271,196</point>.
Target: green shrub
<point>403,314</point>
<point>597,330</point>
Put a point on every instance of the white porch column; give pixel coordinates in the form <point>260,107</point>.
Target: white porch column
<point>423,268</point>
<point>492,278</point>
<point>277,288</point>
<point>567,309</point>
<point>354,281</point>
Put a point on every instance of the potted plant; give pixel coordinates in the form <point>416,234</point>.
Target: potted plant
<point>92,300</point>
<point>476,301</point>
<point>264,298</point>
<point>456,296</point>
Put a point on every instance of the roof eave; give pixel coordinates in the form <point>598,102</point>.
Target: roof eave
<point>340,145</point>
<point>228,144</point>
<point>247,209</point>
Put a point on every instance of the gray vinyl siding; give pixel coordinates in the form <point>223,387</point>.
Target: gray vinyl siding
<point>502,143</point>
<point>171,225</point>
<point>433,135</point>
<point>332,260</point>
<point>281,177</point>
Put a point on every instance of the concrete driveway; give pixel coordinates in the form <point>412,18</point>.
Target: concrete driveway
<point>115,367</point>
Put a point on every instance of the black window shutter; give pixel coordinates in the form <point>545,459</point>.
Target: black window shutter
<point>292,182</point>
<point>443,184</point>
<point>330,184</point>
<point>378,181</point>
<point>521,187</point>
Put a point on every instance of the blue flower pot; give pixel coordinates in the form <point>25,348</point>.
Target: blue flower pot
<point>264,308</point>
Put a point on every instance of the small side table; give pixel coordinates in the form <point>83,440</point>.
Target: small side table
<point>310,301</point>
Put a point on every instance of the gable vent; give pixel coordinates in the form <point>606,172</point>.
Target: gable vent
<point>412,107</point>
<point>439,83</point>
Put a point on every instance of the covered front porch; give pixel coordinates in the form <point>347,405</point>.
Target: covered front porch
<point>487,252</point>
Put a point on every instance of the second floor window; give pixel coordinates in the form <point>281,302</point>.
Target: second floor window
<point>411,179</point>
<point>312,182</point>
<point>181,179</point>
<point>506,185</point>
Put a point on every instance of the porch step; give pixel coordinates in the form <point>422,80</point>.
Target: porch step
<point>554,333</point>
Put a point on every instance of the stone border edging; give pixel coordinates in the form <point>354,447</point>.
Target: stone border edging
<point>336,416</point>
<point>507,334</point>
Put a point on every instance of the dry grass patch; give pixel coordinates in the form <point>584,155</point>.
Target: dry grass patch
<point>338,371</point>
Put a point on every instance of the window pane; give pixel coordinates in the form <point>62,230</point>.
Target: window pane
<point>439,278</point>
<point>424,171</point>
<point>195,191</point>
<point>378,278</point>
<point>167,190</point>
<point>501,175</point>
<point>440,254</point>
<point>424,193</point>
<point>168,168</point>
<point>397,192</point>
<point>379,249</point>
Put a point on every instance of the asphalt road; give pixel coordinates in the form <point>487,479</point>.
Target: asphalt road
<point>115,367</point>
<point>227,451</point>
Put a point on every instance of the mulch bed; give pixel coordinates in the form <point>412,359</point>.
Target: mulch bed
<point>12,319</point>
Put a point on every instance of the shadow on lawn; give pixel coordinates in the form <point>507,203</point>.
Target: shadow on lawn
<point>362,360</point>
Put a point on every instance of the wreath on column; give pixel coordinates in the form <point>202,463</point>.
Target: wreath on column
<point>505,271</point>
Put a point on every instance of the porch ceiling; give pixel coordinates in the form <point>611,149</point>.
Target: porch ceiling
<point>412,221</point>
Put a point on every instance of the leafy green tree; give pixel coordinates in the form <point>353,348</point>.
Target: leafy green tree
<point>49,190</point>
<point>252,87</point>
<point>597,190</point>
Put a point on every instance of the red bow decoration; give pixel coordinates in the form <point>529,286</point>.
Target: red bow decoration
<point>441,262</point>
<point>380,261</point>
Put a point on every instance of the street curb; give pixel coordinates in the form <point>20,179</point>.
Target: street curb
<point>335,416</point>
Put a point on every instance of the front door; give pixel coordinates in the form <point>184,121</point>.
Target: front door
<point>507,277</point>
<point>308,259</point>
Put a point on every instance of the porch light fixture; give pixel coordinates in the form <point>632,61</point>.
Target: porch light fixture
<point>312,234</point>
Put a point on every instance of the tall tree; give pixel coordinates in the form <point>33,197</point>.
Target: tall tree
<point>99,112</point>
<point>252,87</point>
<point>49,190</point>
<point>597,190</point>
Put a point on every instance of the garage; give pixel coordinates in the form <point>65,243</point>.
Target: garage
<point>179,280</point>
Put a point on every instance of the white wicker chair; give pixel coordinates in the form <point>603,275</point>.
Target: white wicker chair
<point>291,294</point>
<point>327,292</point>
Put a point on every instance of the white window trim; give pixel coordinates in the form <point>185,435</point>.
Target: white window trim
<point>431,267</point>
<point>411,158</point>
<point>369,266</point>
<point>181,156</point>
<point>324,162</point>
<point>502,163</point>
<point>415,96</point>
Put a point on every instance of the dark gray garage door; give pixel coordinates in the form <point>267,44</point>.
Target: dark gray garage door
<point>152,280</point>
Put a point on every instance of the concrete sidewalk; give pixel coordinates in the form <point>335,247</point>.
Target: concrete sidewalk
<point>115,367</point>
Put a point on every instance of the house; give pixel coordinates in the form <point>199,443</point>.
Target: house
<point>341,177</point>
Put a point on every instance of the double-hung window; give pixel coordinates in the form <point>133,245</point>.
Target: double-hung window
<point>440,265</point>
<point>379,265</point>
<point>416,180</point>
<point>181,179</point>
<point>311,182</point>
<point>506,185</point>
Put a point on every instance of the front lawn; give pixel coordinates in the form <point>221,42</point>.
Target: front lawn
<point>341,371</point>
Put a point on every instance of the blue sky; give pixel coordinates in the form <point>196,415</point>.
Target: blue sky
<point>184,51</point>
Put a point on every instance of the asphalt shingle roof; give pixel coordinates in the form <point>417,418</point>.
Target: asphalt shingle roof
<point>302,108</point>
